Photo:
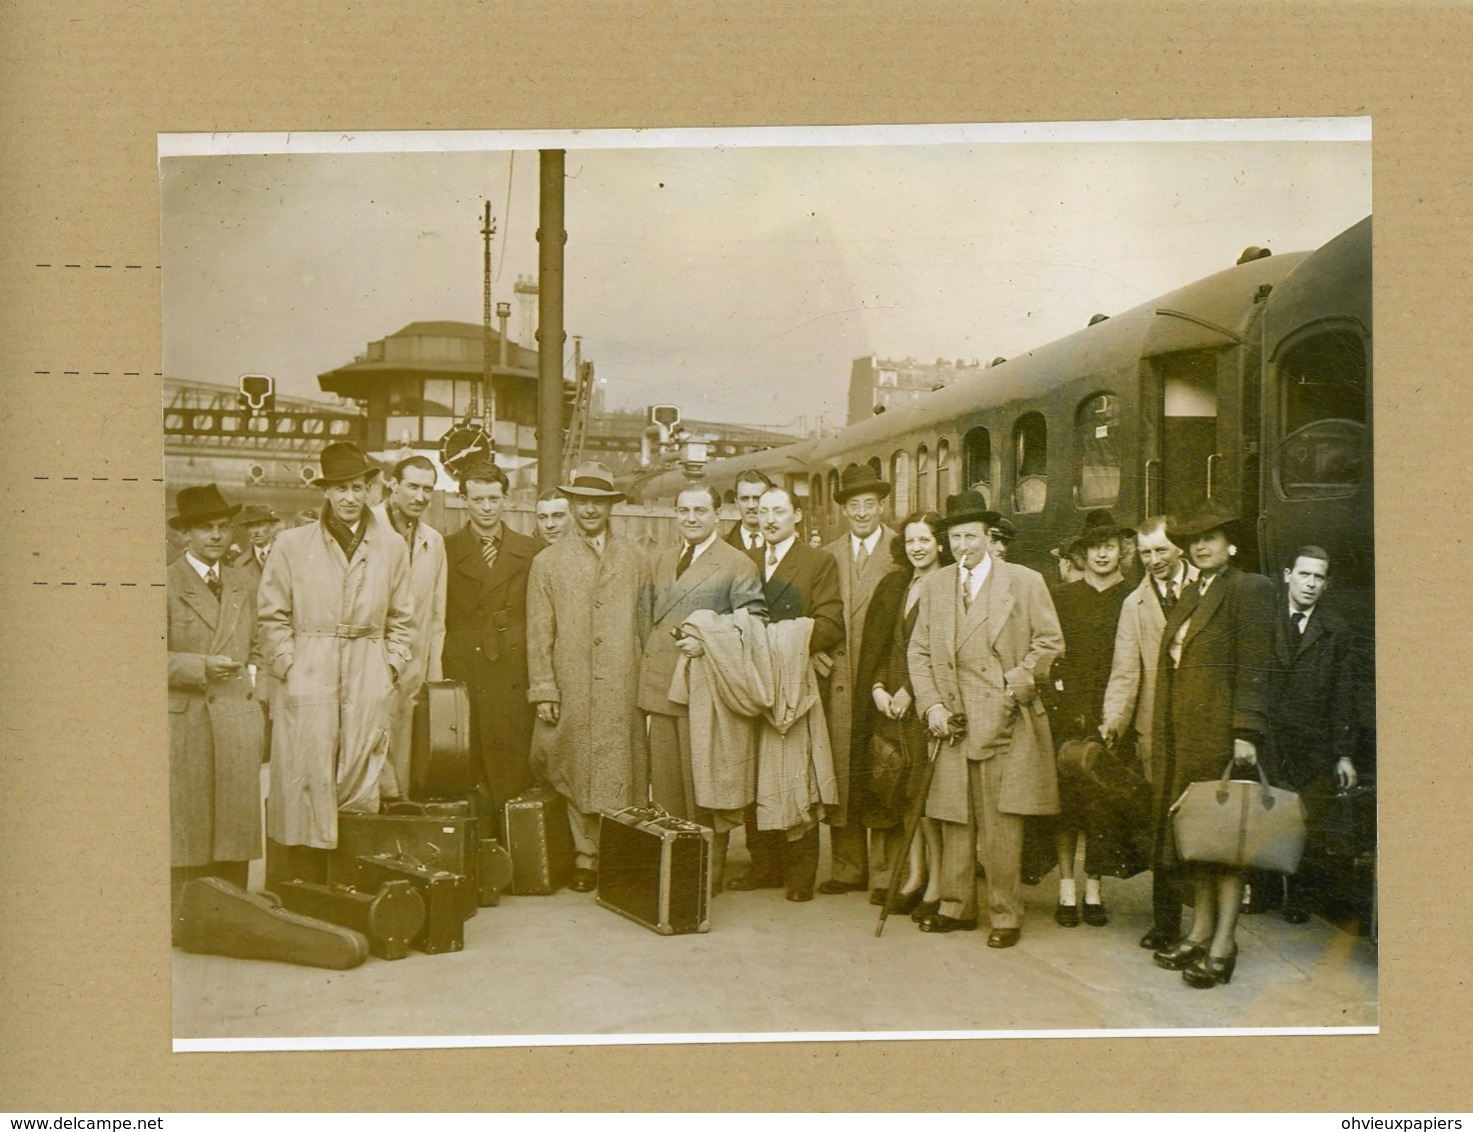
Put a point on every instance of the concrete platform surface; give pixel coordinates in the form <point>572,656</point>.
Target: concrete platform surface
<point>562,966</point>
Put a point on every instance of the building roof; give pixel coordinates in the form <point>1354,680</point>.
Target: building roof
<point>350,380</point>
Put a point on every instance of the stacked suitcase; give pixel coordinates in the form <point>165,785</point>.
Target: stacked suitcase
<point>656,870</point>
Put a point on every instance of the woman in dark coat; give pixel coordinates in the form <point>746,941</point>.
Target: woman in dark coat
<point>919,549</point>
<point>1212,698</point>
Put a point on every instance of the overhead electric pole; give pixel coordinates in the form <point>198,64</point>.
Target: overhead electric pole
<point>551,237</point>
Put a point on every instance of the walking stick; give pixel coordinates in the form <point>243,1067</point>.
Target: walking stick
<point>957,729</point>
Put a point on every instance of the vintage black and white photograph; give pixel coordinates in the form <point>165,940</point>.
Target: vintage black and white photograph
<point>757,585</point>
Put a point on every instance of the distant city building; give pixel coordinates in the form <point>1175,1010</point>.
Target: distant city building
<point>615,438</point>
<point>882,383</point>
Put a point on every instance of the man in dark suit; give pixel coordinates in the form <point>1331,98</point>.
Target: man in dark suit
<point>747,535</point>
<point>702,573</point>
<point>1313,712</point>
<point>486,631</point>
<point>798,581</point>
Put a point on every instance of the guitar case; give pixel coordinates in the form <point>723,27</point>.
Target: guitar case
<point>440,747</point>
<point>388,918</point>
<point>217,918</point>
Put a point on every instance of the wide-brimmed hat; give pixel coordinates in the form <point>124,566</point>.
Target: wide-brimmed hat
<point>1098,525</point>
<point>592,480</point>
<point>998,527</point>
<point>255,513</point>
<point>1212,515</point>
<point>342,461</point>
<point>856,481</point>
<point>199,505</point>
<point>967,507</point>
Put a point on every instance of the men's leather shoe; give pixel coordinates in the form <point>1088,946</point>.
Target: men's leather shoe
<point>1004,937</point>
<point>1157,939</point>
<point>1066,915</point>
<point>799,895</point>
<point>925,908</point>
<point>584,880</point>
<point>839,887</point>
<point>1294,915</point>
<point>937,922</point>
<point>749,882</point>
<point>1095,915</point>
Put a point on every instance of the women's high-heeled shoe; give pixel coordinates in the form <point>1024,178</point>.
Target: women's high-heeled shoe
<point>1181,955</point>
<point>1209,970</point>
<point>925,908</point>
<point>905,902</point>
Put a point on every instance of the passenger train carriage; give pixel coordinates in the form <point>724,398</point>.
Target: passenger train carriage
<point>1251,386</point>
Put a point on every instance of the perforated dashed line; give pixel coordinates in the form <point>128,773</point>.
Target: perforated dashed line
<point>125,585</point>
<point>105,479</point>
<point>95,373</point>
<point>106,266</point>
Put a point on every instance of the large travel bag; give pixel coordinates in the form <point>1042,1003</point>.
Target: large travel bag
<point>539,841</point>
<point>442,835</point>
<point>655,869</point>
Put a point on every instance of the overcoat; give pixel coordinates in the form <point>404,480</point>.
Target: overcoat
<point>1316,690</point>
<point>884,660</point>
<point>336,633</point>
<point>851,708</point>
<point>587,615</point>
<point>214,726</point>
<point>486,650</point>
<point>266,683</point>
<point>427,634</point>
<point>722,580</point>
<point>967,660</point>
<point>1130,693</point>
<point>1221,688</point>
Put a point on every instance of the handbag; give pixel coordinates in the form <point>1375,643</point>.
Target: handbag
<point>889,767</point>
<point>1089,761</point>
<point>1242,825</point>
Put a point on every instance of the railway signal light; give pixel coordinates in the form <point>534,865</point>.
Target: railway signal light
<point>257,393</point>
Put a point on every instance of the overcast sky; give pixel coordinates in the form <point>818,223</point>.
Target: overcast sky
<point>738,283</point>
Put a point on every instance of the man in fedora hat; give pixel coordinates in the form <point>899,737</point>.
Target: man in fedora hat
<point>261,525</point>
<point>863,556</point>
<point>1000,535</point>
<point>486,631</point>
<point>587,613</point>
<point>985,637</point>
<point>335,608</point>
<point>214,717</point>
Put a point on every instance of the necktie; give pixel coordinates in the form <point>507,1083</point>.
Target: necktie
<point>1168,596</point>
<point>966,589</point>
<point>212,579</point>
<point>771,560</point>
<point>754,541</point>
<point>685,556</point>
<point>1297,619</point>
<point>489,547</point>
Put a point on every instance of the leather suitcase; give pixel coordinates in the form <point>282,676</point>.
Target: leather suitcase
<point>539,841</point>
<point>442,835</point>
<point>495,873</point>
<point>655,869</point>
<point>441,891</point>
<point>388,918</point>
<point>440,746</point>
<point>217,918</point>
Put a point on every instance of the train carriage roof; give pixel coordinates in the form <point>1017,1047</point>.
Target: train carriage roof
<point>1329,282</point>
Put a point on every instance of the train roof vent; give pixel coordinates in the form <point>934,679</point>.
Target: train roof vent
<point>1253,252</point>
<point>996,362</point>
<point>1094,318</point>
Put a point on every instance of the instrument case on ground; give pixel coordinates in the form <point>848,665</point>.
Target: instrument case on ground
<point>441,891</point>
<point>442,835</point>
<point>389,917</point>
<point>655,869</point>
<point>217,918</point>
<point>440,745</point>
<point>539,841</point>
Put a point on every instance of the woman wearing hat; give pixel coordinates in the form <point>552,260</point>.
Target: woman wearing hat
<point>1212,696</point>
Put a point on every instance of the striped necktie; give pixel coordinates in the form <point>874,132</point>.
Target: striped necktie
<point>966,590</point>
<point>489,547</point>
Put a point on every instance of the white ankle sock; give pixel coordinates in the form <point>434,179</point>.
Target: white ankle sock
<point>1066,891</point>
<point>1092,890</point>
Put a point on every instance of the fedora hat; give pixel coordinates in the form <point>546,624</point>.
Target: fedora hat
<point>857,480</point>
<point>998,527</point>
<point>199,505</point>
<point>592,480</point>
<point>342,461</point>
<point>1211,515</point>
<point>255,513</point>
<point>967,507</point>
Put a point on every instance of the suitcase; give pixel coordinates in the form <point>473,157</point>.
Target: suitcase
<point>440,746</point>
<point>655,869</point>
<point>388,918</point>
<point>539,841</point>
<point>442,835</point>
<point>441,891</point>
<point>495,873</point>
<point>217,918</point>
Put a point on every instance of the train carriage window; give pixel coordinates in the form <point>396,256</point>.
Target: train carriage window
<point>1030,464</point>
<point>1097,450</point>
<point>1322,453</point>
<point>900,482</point>
<point>877,464</point>
<point>977,461</point>
<point>923,479</point>
<point>944,488</point>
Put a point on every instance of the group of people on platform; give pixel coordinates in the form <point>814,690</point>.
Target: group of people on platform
<point>756,681</point>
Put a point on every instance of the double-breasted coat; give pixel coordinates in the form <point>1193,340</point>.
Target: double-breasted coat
<point>968,660</point>
<point>486,650</point>
<point>1221,688</point>
<point>426,635</point>
<point>587,615</point>
<point>214,725</point>
<point>1314,710</point>
<point>336,633</point>
<point>884,660</point>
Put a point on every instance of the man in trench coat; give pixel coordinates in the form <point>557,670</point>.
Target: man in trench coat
<point>985,637</point>
<point>214,717</point>
<point>587,614</point>
<point>336,615</point>
<point>863,557</point>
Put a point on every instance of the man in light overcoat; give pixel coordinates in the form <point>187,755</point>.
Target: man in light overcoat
<point>985,637</point>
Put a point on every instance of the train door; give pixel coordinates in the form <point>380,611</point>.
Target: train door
<point>1184,465</point>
